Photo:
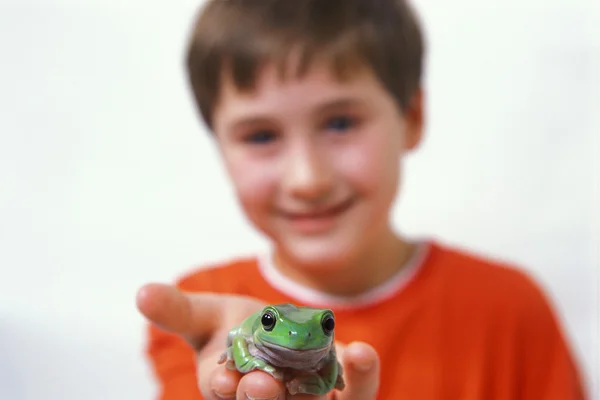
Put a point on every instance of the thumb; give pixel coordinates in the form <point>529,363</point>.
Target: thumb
<point>196,316</point>
<point>361,372</point>
<point>173,310</point>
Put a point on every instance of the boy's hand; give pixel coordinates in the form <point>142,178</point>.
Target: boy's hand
<point>204,319</point>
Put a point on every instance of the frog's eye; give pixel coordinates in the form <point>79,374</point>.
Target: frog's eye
<point>268,321</point>
<point>328,324</point>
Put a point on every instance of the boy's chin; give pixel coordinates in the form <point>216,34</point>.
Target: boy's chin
<point>317,255</point>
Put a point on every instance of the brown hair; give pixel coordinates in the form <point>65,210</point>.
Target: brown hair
<point>240,36</point>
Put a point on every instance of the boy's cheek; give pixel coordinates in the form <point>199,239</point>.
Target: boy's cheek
<point>255,189</point>
<point>369,171</point>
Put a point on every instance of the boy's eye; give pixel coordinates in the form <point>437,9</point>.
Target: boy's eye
<point>260,137</point>
<point>341,123</point>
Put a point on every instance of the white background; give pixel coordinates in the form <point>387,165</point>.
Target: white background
<point>108,180</point>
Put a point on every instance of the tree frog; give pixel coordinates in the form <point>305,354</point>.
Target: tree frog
<point>293,344</point>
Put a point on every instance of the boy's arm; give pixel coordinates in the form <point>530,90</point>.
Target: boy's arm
<point>549,367</point>
<point>173,362</point>
<point>172,359</point>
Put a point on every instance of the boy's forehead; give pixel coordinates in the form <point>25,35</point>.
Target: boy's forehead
<point>273,75</point>
<point>320,87</point>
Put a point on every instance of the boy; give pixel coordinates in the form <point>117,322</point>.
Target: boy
<point>313,105</point>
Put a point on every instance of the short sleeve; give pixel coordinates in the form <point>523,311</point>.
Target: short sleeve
<point>548,365</point>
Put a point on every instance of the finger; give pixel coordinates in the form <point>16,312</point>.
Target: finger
<point>172,310</point>
<point>361,372</point>
<point>306,397</point>
<point>260,385</point>
<point>192,314</point>
<point>215,381</point>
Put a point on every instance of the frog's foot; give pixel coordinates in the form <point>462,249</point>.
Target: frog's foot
<point>230,365</point>
<point>252,364</point>
<point>339,383</point>
<point>275,373</point>
<point>311,384</point>
<point>226,358</point>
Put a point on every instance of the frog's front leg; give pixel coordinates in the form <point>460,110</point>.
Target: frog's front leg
<point>329,378</point>
<point>246,362</point>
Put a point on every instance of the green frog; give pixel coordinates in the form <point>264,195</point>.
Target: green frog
<point>293,344</point>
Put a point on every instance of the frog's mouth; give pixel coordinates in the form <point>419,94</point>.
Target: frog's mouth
<point>281,356</point>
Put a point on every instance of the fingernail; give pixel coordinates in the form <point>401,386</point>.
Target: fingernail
<point>260,398</point>
<point>364,366</point>
<point>224,396</point>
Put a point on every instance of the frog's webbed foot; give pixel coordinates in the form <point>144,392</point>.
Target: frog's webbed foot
<point>275,373</point>
<point>340,384</point>
<point>253,363</point>
<point>227,359</point>
<point>242,360</point>
<point>224,356</point>
<point>308,384</point>
<point>246,362</point>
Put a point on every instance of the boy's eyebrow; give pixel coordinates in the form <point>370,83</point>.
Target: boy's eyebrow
<point>319,108</point>
<point>339,103</point>
<point>245,121</point>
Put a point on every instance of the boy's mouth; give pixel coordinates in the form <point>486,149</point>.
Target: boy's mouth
<point>318,219</point>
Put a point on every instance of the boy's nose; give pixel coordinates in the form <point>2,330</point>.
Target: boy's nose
<point>308,175</point>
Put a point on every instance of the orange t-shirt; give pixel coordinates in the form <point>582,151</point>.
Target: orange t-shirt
<point>451,325</point>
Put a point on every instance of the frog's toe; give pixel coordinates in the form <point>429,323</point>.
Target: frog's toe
<point>340,383</point>
<point>296,386</point>
<point>312,389</point>
<point>274,372</point>
<point>230,364</point>
<point>293,386</point>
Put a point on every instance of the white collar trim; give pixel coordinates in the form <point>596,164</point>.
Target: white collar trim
<point>377,294</point>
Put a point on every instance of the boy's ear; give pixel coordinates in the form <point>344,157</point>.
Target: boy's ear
<point>415,119</point>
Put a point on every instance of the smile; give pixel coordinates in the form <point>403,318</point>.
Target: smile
<point>317,220</point>
<point>323,212</point>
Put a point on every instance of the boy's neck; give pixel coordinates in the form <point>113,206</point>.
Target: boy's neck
<point>373,268</point>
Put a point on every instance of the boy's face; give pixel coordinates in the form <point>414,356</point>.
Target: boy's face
<point>315,161</point>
